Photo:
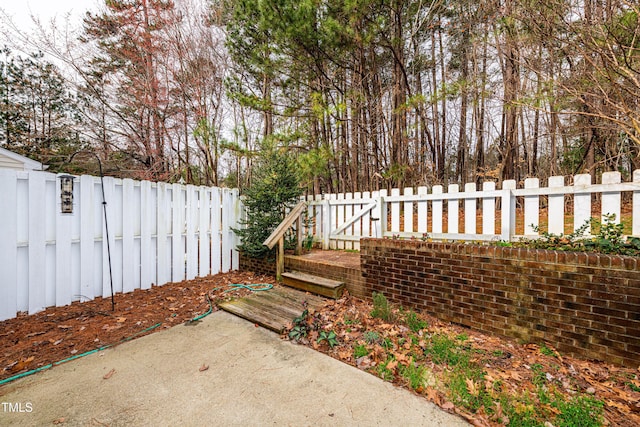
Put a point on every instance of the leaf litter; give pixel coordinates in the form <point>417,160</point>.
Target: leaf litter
<point>536,374</point>
<point>32,341</point>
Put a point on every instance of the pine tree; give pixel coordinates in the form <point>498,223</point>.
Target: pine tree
<point>274,191</point>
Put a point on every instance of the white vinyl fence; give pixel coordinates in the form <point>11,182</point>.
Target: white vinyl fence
<point>158,233</point>
<point>340,220</point>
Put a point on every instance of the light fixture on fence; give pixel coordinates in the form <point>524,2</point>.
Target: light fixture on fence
<point>66,193</point>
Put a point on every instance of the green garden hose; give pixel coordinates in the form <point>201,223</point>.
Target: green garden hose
<point>256,287</point>
<point>77,356</point>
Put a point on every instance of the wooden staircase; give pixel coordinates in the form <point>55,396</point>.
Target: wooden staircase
<point>276,309</point>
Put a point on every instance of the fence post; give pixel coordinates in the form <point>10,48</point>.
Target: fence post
<point>408,211</point>
<point>582,202</point>
<point>348,213</point>
<point>237,214</point>
<point>326,222</point>
<point>453,209</point>
<point>395,211</point>
<point>436,210</point>
<point>470,209</point>
<point>508,223</point>
<point>381,214</point>
<point>531,208</point>
<point>422,210</point>
<point>488,209</point>
<point>611,199</point>
<point>556,206</point>
<point>299,235</point>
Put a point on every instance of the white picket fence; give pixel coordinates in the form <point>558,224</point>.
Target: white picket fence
<point>158,233</point>
<point>340,220</point>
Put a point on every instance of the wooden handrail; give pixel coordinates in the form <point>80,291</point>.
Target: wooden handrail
<point>285,224</point>
<point>278,235</point>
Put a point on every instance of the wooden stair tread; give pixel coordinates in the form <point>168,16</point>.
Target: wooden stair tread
<point>315,284</point>
<point>321,281</point>
<point>297,295</point>
<point>256,315</point>
<point>274,309</point>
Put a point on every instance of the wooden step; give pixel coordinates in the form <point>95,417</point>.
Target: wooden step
<point>274,309</point>
<point>315,284</point>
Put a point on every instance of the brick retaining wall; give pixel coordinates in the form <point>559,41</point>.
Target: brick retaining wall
<point>586,305</point>
<point>262,266</point>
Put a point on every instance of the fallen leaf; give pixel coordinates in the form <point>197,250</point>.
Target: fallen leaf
<point>344,354</point>
<point>401,357</point>
<point>624,407</point>
<point>472,387</point>
<point>364,362</point>
<point>109,374</point>
<point>204,367</point>
<point>448,405</point>
<point>22,364</point>
<point>433,395</point>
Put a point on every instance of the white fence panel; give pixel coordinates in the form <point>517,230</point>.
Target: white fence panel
<point>346,218</point>
<point>9,213</point>
<point>157,233</point>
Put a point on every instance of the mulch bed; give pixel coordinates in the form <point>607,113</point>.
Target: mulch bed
<point>29,342</point>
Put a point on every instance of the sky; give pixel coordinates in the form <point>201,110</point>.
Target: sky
<point>21,10</point>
